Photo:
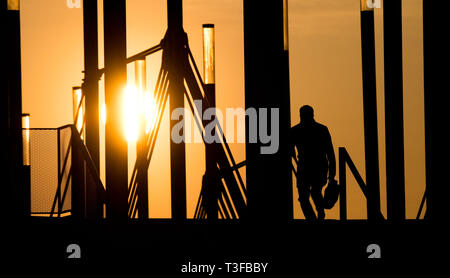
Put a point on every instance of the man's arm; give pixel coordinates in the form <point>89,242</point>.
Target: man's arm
<point>331,157</point>
<point>292,143</point>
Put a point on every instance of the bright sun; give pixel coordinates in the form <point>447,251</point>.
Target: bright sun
<point>139,112</point>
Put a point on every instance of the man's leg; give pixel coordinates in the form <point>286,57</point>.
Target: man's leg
<point>303,193</point>
<point>316,194</point>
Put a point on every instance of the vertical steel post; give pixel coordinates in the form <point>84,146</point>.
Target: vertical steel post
<point>343,184</point>
<point>114,16</point>
<point>269,177</point>
<point>16,191</point>
<point>26,160</point>
<point>177,57</point>
<point>26,173</point>
<point>393,76</point>
<point>212,206</point>
<point>142,190</point>
<point>78,169</point>
<point>370,112</point>
<point>90,90</point>
<point>434,130</point>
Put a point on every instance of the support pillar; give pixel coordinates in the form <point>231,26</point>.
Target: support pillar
<point>369,82</point>
<point>175,37</point>
<point>115,81</point>
<point>94,207</point>
<point>17,197</point>
<point>393,76</point>
<point>212,207</point>
<point>269,176</point>
<point>434,80</point>
<point>142,190</point>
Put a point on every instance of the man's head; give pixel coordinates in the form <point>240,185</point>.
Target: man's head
<point>306,114</point>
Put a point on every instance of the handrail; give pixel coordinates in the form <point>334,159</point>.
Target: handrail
<point>142,165</point>
<point>344,160</point>
<point>343,154</point>
<point>422,203</point>
<point>88,159</point>
<point>225,156</point>
<point>230,154</point>
<point>137,56</point>
<point>76,145</point>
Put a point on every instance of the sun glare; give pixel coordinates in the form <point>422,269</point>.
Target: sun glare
<point>131,110</point>
<point>138,107</point>
<point>149,111</point>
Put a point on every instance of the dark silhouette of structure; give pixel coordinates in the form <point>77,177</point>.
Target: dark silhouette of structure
<point>316,161</point>
<point>266,65</point>
<point>211,173</point>
<point>433,85</point>
<point>269,184</point>
<point>369,82</point>
<point>90,90</point>
<point>393,96</point>
<point>175,40</point>
<point>17,192</point>
<point>116,149</point>
<point>224,194</point>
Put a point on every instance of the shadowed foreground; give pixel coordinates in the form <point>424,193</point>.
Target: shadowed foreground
<point>164,246</point>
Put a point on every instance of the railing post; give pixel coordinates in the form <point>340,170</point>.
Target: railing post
<point>58,190</point>
<point>343,184</point>
<point>78,181</point>
<point>26,172</point>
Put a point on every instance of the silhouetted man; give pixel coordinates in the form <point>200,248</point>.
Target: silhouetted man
<point>316,161</point>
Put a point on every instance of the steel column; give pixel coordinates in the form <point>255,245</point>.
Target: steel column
<point>393,79</point>
<point>17,194</point>
<point>177,58</point>
<point>115,82</point>
<point>269,177</point>
<point>94,207</point>
<point>370,113</point>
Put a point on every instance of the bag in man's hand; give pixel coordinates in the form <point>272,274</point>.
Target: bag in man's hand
<point>331,194</point>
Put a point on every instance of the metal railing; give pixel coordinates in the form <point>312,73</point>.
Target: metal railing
<point>231,186</point>
<point>344,162</point>
<point>226,209</point>
<point>50,175</point>
<point>232,190</point>
<point>80,166</point>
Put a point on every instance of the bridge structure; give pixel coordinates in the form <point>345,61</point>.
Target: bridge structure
<point>224,192</point>
<point>226,198</point>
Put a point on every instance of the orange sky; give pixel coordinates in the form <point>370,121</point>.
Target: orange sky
<point>325,72</point>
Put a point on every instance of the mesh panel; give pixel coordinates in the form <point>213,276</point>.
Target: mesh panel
<point>44,170</point>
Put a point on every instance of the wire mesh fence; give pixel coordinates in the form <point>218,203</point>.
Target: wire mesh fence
<point>50,157</point>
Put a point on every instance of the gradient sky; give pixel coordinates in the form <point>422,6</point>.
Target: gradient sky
<point>325,72</point>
